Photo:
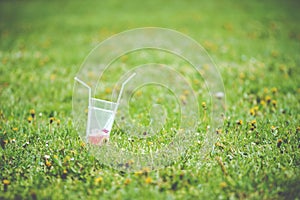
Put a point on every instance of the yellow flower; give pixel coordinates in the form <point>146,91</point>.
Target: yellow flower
<point>239,122</point>
<point>196,81</point>
<point>65,171</point>
<point>127,181</point>
<point>182,98</point>
<point>15,129</point>
<point>219,131</point>
<point>138,173</point>
<point>279,142</point>
<point>242,75</point>
<point>274,103</point>
<point>58,122</point>
<point>82,144</point>
<point>253,122</point>
<point>262,102</point>
<point>252,111</point>
<point>6,182</point>
<point>148,180</point>
<point>4,142</point>
<point>274,90</point>
<point>108,90</point>
<point>223,185</point>
<point>32,113</point>
<point>138,93</point>
<point>48,163</point>
<point>266,90</point>
<point>273,128</point>
<point>51,120</point>
<point>146,170</point>
<point>67,159</point>
<point>218,144</point>
<point>186,92</point>
<point>99,180</point>
<point>203,105</point>
<point>29,119</point>
<point>52,76</point>
<point>268,99</point>
<point>124,58</point>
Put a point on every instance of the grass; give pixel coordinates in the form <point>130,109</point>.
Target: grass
<point>255,46</point>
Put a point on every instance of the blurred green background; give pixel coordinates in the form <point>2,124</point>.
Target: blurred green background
<point>255,45</point>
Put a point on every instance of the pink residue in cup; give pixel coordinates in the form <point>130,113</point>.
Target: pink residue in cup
<point>99,138</point>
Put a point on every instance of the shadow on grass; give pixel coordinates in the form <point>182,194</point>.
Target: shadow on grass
<point>291,188</point>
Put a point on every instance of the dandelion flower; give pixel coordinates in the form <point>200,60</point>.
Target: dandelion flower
<point>51,120</point>
<point>219,131</point>
<point>253,125</point>
<point>262,102</point>
<point>32,113</point>
<point>186,92</point>
<point>273,128</point>
<point>6,182</point>
<point>146,170</point>
<point>218,144</point>
<point>82,144</point>
<point>239,122</point>
<point>242,75</point>
<point>252,111</point>
<point>274,90</point>
<point>148,180</point>
<point>268,99</point>
<point>99,180</point>
<point>138,173</point>
<point>127,181</point>
<point>279,142</point>
<point>5,141</point>
<point>203,105</point>
<point>108,90</point>
<point>138,93</point>
<point>253,122</point>
<point>183,99</point>
<point>223,185</point>
<point>29,119</point>
<point>274,103</point>
<point>48,163</point>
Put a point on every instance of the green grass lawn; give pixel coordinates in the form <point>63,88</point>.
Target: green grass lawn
<point>255,45</point>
